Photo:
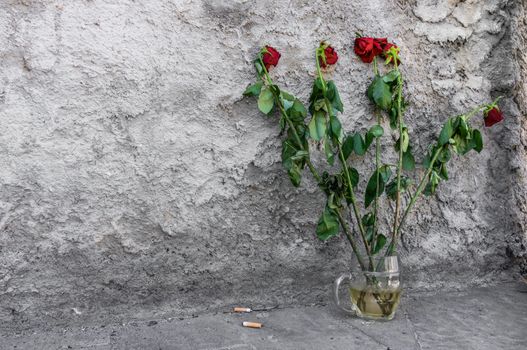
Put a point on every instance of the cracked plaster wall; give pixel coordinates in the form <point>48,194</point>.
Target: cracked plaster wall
<point>136,181</point>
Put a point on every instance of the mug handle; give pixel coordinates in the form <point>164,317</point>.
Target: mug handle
<point>336,294</point>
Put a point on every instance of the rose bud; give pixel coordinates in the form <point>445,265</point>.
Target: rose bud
<point>331,57</point>
<point>492,116</point>
<point>270,57</point>
<point>367,48</point>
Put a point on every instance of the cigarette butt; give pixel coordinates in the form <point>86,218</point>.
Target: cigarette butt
<point>242,309</point>
<point>252,324</point>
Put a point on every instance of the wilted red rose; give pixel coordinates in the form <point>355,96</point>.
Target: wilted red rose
<point>385,48</point>
<point>270,57</point>
<point>367,48</point>
<point>492,117</point>
<point>331,57</point>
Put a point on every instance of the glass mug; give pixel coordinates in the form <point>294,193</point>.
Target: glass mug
<point>373,291</point>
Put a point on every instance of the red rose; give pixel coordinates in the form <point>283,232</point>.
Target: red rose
<point>368,48</point>
<point>270,57</point>
<point>331,57</point>
<point>492,117</point>
<point>385,48</point>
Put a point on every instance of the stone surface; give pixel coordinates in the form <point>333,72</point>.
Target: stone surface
<point>478,319</point>
<point>136,182</point>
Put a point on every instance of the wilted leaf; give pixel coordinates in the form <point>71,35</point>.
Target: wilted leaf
<point>317,126</point>
<point>328,224</point>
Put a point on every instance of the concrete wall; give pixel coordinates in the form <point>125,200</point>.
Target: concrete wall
<point>135,181</point>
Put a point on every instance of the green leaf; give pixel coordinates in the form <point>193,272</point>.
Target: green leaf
<point>347,146</point>
<point>287,104</point>
<point>281,122</point>
<point>300,155</point>
<point>391,188</point>
<point>428,158</point>
<point>405,140</point>
<point>293,161</point>
<point>446,133</point>
<point>443,173</point>
<point>369,234</point>
<point>295,175</point>
<point>254,89</point>
<point>371,188</point>
<point>288,151</point>
<point>334,97</point>
<point>287,99</point>
<point>380,93</point>
<point>317,94</point>
<point>328,224</point>
<point>368,140</point>
<point>368,220</point>
<point>408,160</point>
<point>393,118</point>
<point>354,176</point>
<point>461,146</point>
<point>432,183</point>
<point>445,155</point>
<point>477,140</point>
<point>265,101</point>
<point>379,244</point>
<point>385,172</point>
<point>320,105</point>
<point>336,129</point>
<point>317,126</point>
<point>463,127</point>
<point>359,145</point>
<point>258,67</point>
<point>276,90</point>
<point>391,77</point>
<point>329,152</point>
<point>297,113</point>
<point>287,96</point>
<point>376,131</point>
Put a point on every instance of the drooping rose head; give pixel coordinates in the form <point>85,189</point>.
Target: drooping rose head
<point>492,116</point>
<point>367,48</point>
<point>270,56</point>
<point>331,57</point>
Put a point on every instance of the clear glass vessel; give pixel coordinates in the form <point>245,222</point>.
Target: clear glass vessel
<point>372,292</point>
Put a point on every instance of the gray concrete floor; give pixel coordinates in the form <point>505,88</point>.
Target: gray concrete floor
<point>481,318</point>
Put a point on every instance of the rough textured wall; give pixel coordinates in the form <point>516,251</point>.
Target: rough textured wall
<point>135,180</point>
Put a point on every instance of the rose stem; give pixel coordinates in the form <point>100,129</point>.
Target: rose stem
<point>344,166</point>
<point>400,162</point>
<point>377,161</point>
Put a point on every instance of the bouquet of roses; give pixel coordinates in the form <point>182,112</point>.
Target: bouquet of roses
<point>323,127</point>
